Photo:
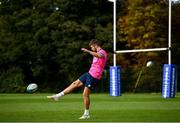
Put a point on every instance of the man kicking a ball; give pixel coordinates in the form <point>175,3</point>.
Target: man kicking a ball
<point>89,79</point>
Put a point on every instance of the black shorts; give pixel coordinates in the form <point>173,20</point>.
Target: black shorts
<point>88,80</point>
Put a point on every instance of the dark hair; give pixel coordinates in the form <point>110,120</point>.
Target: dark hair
<point>95,41</point>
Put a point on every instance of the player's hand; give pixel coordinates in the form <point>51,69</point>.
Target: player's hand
<point>84,49</point>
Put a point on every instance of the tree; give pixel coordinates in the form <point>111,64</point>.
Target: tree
<point>141,27</point>
<point>41,40</point>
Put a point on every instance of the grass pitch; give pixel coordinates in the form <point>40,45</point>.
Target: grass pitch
<point>104,108</point>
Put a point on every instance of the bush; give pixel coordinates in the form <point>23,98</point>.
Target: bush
<point>12,81</point>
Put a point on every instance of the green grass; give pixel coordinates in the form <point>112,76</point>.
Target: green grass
<point>104,108</point>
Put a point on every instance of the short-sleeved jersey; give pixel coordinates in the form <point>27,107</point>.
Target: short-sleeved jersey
<point>98,64</point>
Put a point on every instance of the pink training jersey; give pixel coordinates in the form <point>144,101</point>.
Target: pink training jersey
<point>98,64</point>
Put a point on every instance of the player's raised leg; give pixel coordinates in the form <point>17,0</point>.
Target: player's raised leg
<point>74,85</point>
<point>86,100</point>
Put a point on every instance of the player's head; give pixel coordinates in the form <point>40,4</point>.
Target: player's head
<point>94,44</point>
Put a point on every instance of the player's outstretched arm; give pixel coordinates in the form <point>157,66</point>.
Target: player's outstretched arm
<point>99,55</point>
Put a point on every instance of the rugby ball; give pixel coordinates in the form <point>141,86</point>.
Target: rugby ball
<point>32,88</point>
<point>149,63</point>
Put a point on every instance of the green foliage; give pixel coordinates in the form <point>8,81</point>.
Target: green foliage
<point>43,39</point>
<point>40,41</point>
<point>12,80</point>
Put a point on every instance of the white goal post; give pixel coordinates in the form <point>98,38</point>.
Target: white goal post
<point>142,50</point>
<point>169,71</point>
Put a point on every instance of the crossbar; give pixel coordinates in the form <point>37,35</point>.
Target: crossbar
<point>142,50</point>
